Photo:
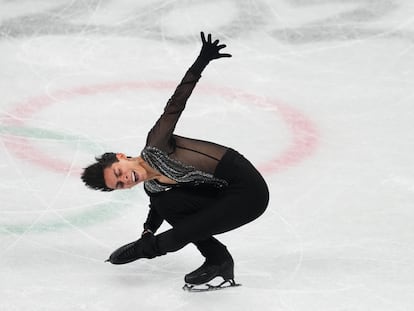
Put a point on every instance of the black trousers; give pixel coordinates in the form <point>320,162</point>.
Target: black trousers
<point>196,214</point>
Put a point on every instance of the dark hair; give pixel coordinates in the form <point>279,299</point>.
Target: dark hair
<point>93,176</point>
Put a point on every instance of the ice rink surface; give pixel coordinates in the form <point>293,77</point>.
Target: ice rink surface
<point>318,94</point>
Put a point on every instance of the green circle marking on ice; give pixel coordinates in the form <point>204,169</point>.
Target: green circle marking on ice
<point>45,134</point>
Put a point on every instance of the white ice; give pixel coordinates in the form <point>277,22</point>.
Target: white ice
<point>318,94</point>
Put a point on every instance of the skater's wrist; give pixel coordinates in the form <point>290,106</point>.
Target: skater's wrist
<point>199,65</point>
<point>146,231</point>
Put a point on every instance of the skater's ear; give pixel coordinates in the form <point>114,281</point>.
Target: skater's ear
<point>121,156</point>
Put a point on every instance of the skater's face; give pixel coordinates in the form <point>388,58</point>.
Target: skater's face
<point>124,174</point>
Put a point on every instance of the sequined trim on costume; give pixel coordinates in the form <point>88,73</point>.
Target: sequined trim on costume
<point>175,170</point>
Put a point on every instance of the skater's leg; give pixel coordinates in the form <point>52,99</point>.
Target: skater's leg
<point>218,221</point>
<point>244,200</point>
<point>176,206</point>
<point>213,250</point>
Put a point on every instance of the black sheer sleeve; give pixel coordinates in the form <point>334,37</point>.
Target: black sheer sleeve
<point>161,134</point>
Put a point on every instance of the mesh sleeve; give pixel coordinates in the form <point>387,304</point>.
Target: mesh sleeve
<point>160,135</point>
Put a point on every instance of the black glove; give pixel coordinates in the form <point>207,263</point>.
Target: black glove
<point>209,51</point>
<point>145,247</point>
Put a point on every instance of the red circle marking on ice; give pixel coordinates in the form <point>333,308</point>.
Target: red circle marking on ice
<point>303,131</point>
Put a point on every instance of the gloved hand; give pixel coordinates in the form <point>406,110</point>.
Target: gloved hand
<point>145,247</point>
<point>210,50</point>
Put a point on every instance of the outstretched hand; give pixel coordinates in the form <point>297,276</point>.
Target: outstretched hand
<point>211,50</point>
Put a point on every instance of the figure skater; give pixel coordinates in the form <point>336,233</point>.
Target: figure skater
<point>200,188</point>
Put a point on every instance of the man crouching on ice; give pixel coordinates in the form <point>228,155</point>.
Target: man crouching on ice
<point>199,187</point>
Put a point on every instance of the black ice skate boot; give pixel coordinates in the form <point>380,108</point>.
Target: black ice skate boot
<point>207,272</point>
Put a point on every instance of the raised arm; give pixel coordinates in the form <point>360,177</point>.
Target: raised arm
<point>160,135</point>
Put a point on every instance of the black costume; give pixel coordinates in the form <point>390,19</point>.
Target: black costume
<point>217,189</point>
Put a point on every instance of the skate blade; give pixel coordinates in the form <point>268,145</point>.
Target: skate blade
<point>209,287</point>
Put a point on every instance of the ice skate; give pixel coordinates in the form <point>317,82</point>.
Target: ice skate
<point>210,277</point>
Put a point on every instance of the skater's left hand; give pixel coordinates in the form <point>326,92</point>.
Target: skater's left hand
<point>211,50</point>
